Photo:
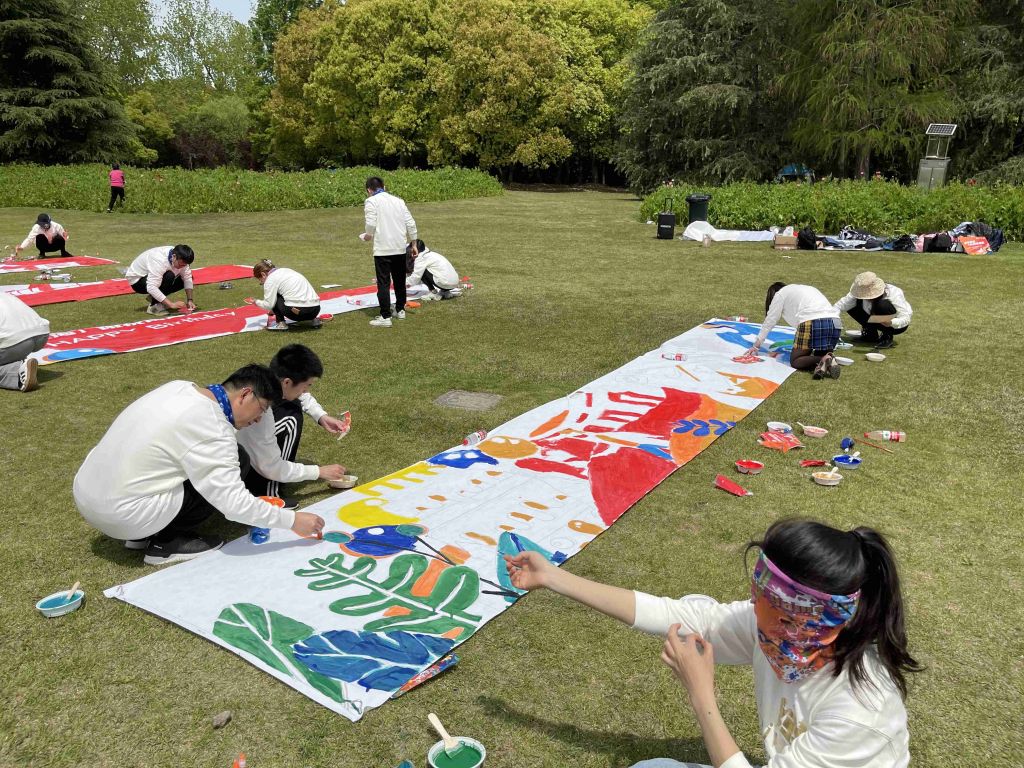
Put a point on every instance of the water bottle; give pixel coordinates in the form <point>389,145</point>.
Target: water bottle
<point>887,434</point>
<point>676,356</point>
<point>737,318</point>
<point>474,438</point>
<point>259,535</point>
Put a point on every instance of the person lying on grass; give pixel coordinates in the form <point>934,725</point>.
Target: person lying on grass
<point>817,327</point>
<point>286,293</point>
<point>170,460</point>
<point>823,630</point>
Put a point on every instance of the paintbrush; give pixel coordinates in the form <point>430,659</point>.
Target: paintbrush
<point>452,747</point>
<point>873,445</point>
<point>71,592</point>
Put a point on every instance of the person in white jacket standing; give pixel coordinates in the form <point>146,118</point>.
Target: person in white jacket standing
<point>286,293</point>
<point>273,442</point>
<point>170,460</point>
<point>22,332</point>
<point>391,228</point>
<point>823,629</point>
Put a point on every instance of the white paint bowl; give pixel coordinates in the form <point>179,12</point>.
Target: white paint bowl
<point>815,431</point>
<point>844,360</point>
<point>779,426</point>
<point>826,478</point>
<point>875,357</point>
<point>438,749</point>
<point>57,604</point>
<point>346,482</point>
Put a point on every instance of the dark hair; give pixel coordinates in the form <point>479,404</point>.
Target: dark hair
<point>115,167</point>
<point>840,563</point>
<point>772,290</point>
<point>184,253</point>
<point>263,267</point>
<point>374,183</point>
<point>43,218</point>
<point>262,380</point>
<point>297,363</point>
<point>420,247</point>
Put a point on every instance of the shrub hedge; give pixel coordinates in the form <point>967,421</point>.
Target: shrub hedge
<point>222,190</point>
<point>880,207</point>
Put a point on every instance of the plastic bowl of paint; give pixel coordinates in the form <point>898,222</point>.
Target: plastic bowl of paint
<point>846,461</point>
<point>344,482</point>
<point>827,478</point>
<point>779,426</point>
<point>749,467</point>
<point>58,604</point>
<point>469,754</point>
<point>815,431</point>
<point>875,357</point>
<point>844,360</point>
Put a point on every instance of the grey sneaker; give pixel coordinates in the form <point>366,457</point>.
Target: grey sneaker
<point>317,323</point>
<point>277,327</point>
<point>400,314</point>
<point>27,374</point>
<point>156,309</point>
<point>180,548</point>
<point>381,322</point>
<point>431,296</point>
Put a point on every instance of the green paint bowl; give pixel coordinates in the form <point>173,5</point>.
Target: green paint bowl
<point>471,755</point>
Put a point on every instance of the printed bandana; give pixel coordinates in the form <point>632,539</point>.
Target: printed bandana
<point>796,625</point>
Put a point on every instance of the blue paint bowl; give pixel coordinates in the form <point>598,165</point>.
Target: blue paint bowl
<point>57,604</point>
<point>846,462</point>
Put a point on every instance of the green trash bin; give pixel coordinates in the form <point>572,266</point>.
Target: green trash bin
<point>698,207</point>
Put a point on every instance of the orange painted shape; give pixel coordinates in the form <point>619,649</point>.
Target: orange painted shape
<point>397,610</point>
<point>751,386</point>
<point>494,473</point>
<point>453,633</point>
<point>421,509</point>
<point>425,584</point>
<point>521,516</point>
<point>581,526</point>
<point>502,447</point>
<point>552,423</point>
<point>476,481</point>
<point>561,497</point>
<point>620,441</point>
<point>481,537</point>
<point>534,505</point>
<point>684,447</point>
<point>507,527</point>
<point>456,554</point>
<point>437,497</point>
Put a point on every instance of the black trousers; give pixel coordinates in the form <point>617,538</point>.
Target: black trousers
<point>881,306</point>
<point>288,430</point>
<point>195,508</point>
<point>390,269</point>
<point>171,283</point>
<point>297,314</point>
<point>428,280</point>
<point>44,246</point>
<point>116,192</point>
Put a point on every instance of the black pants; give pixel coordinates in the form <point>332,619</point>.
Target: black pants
<point>195,508</point>
<point>171,283</point>
<point>880,306</point>
<point>288,430</point>
<point>116,192</point>
<point>296,314</point>
<point>428,280</point>
<point>390,269</point>
<point>44,246</point>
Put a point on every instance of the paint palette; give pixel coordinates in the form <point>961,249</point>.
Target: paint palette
<point>344,483</point>
<point>58,604</point>
<point>469,754</point>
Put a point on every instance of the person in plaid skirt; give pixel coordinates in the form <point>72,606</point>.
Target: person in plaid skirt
<point>817,326</point>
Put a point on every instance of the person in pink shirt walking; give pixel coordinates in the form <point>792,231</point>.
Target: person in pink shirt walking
<point>116,186</point>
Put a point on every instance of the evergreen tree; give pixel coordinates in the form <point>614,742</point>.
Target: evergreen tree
<point>54,93</point>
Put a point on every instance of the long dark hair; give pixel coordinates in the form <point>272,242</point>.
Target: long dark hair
<point>772,290</point>
<point>840,563</point>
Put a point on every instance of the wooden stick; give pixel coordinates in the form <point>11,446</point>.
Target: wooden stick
<point>873,445</point>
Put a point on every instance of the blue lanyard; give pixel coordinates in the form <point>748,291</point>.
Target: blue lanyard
<point>222,399</point>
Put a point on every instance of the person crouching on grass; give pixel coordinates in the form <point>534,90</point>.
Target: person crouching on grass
<point>171,459</point>
<point>817,327</point>
<point>286,293</point>
<point>158,272</point>
<point>823,630</point>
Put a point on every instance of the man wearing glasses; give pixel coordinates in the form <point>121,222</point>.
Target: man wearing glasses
<point>48,236</point>
<point>170,460</point>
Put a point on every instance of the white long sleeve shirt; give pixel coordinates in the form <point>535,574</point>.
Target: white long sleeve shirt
<point>131,485</point>
<point>260,442</point>
<point>821,721</point>
<point>795,304</point>
<point>18,321</point>
<point>893,294</point>
<point>296,290</point>
<point>440,269</point>
<point>49,234</point>
<point>152,264</point>
<point>389,222</point>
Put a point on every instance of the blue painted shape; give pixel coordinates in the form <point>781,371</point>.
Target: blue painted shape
<point>388,678</point>
<point>656,450</point>
<point>743,335</point>
<point>381,540</point>
<point>462,458</point>
<point>77,354</point>
<point>512,544</point>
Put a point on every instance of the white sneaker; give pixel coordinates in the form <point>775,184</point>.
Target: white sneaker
<point>431,296</point>
<point>277,327</point>
<point>156,309</point>
<point>381,322</point>
<point>400,315</point>
<point>27,374</point>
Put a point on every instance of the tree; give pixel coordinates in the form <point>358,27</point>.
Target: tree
<point>206,46</point>
<point>215,133</point>
<point>152,124</point>
<point>269,19</point>
<point>55,103</point>
<point>124,35</point>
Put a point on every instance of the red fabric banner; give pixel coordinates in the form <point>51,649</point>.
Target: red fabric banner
<point>30,265</point>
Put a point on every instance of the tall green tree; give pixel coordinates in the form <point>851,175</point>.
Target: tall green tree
<point>55,102</point>
<point>205,46</point>
<point>124,34</point>
<point>700,101</point>
<point>269,19</point>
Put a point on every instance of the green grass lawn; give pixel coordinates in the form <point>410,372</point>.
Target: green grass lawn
<point>568,287</point>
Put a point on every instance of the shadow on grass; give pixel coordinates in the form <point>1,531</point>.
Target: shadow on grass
<point>113,550</point>
<point>45,374</point>
<point>624,748</point>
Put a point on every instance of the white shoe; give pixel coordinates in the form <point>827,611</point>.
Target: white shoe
<point>277,327</point>
<point>455,292</point>
<point>431,296</point>
<point>27,374</point>
<point>381,322</point>
<point>400,315</point>
<point>156,309</point>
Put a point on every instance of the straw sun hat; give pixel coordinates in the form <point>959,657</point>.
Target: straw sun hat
<point>867,285</point>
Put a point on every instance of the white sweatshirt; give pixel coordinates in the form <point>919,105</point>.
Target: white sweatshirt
<point>893,294</point>
<point>296,290</point>
<point>440,268</point>
<point>260,442</point>
<point>131,485</point>
<point>49,234</point>
<point>818,722</point>
<point>152,264</point>
<point>18,321</point>
<point>389,222</point>
<point>795,304</point>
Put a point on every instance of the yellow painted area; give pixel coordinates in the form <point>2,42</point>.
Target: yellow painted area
<point>501,447</point>
<point>364,513</point>
<point>396,481</point>
<point>750,386</point>
<point>583,527</point>
<point>534,505</point>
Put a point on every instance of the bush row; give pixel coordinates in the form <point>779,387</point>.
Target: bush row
<point>222,190</point>
<point>880,207</point>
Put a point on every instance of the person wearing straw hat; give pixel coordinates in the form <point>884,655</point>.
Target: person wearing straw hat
<point>881,309</point>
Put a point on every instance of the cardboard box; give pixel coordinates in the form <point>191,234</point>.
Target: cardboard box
<point>784,242</point>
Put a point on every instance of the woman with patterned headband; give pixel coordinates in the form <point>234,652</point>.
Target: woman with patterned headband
<point>823,630</point>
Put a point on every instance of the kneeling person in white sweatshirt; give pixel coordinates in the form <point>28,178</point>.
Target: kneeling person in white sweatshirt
<point>170,460</point>
<point>434,271</point>
<point>286,293</point>
<point>273,442</point>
